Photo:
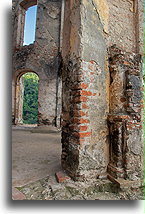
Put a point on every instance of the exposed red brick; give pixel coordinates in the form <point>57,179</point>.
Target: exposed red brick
<point>84,86</point>
<point>78,113</point>
<point>83,128</point>
<point>84,121</point>
<point>82,134</point>
<point>85,134</point>
<point>126,63</point>
<point>80,86</point>
<point>80,121</point>
<point>61,177</point>
<point>86,93</point>
<point>83,99</point>
<point>85,106</point>
<point>92,62</point>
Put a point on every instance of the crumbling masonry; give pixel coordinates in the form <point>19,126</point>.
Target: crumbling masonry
<point>88,55</point>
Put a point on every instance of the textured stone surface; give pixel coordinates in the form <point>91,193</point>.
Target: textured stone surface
<point>126,115</point>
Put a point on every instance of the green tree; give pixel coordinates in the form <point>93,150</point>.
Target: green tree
<point>30,101</point>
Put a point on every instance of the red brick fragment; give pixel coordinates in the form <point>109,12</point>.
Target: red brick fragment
<point>84,106</point>
<point>85,134</point>
<point>86,93</point>
<point>78,113</point>
<point>83,128</point>
<point>84,85</point>
<point>80,120</point>
<point>92,62</point>
<point>61,177</point>
<point>126,63</point>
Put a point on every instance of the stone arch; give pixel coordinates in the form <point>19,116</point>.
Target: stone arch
<point>27,3</point>
<point>18,91</point>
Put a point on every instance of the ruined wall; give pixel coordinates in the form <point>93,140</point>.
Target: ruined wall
<point>102,89</point>
<point>41,57</point>
<point>102,83</point>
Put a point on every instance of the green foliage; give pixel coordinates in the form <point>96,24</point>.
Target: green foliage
<point>30,102</point>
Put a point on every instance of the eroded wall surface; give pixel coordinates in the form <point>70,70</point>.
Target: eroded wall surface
<point>41,57</point>
<point>86,80</point>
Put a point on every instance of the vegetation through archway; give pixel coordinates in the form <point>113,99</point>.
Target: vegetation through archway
<point>30,98</point>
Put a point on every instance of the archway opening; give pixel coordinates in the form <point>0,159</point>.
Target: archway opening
<point>30,25</point>
<point>27,98</point>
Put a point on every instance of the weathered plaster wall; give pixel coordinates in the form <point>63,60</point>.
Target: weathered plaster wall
<point>42,57</point>
<point>122,22</point>
<point>86,80</point>
<point>96,75</point>
<point>19,100</point>
<point>126,24</point>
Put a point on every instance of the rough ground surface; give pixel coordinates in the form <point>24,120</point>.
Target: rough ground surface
<point>49,189</point>
<point>36,159</point>
<point>35,154</point>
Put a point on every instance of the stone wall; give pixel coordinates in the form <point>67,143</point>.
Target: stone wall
<point>41,57</point>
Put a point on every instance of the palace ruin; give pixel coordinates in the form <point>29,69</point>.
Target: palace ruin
<point>88,55</point>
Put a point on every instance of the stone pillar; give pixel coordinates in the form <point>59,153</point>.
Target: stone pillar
<point>85,82</point>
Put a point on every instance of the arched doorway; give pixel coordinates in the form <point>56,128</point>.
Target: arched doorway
<point>26,98</point>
